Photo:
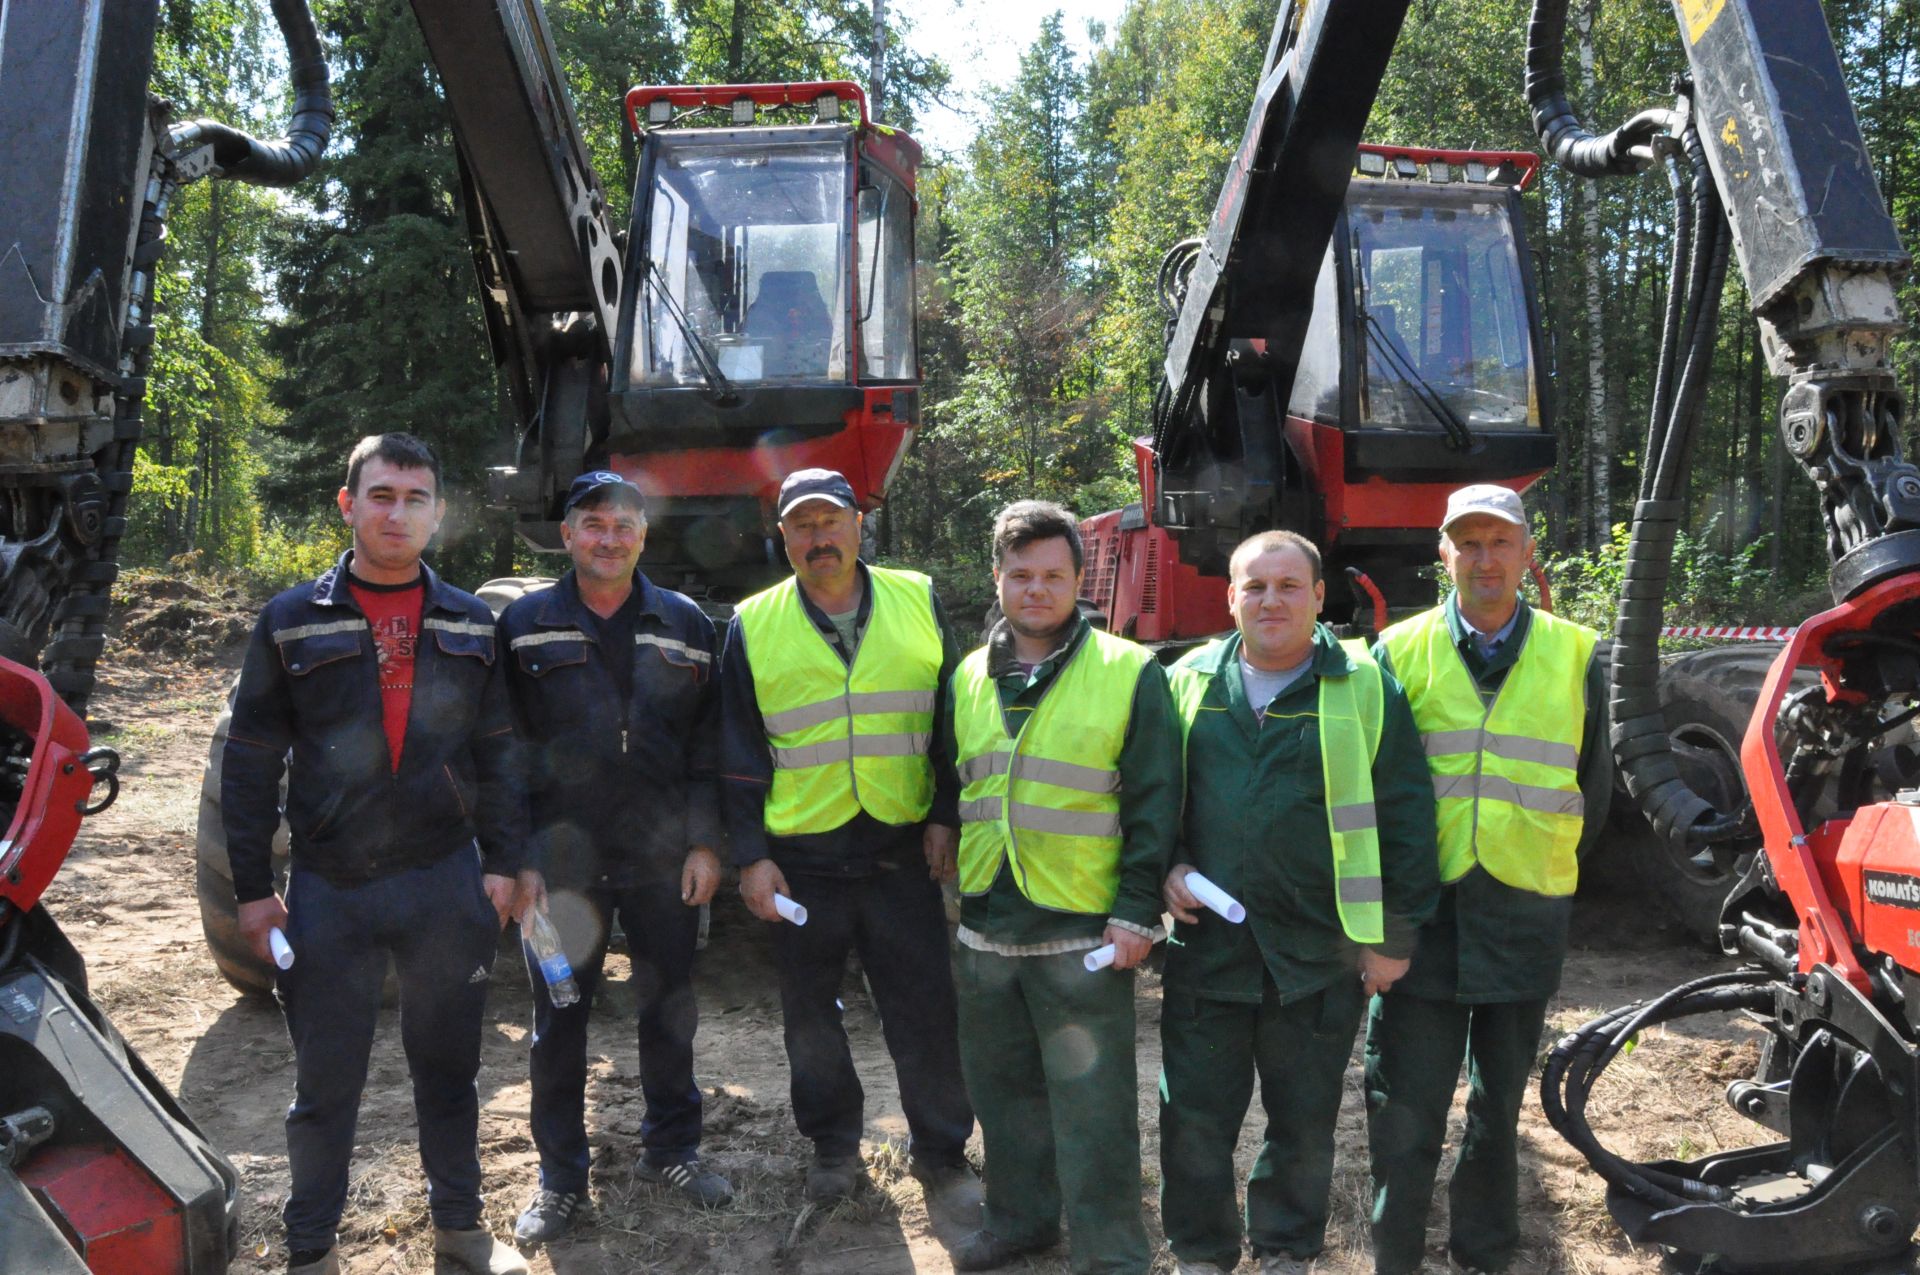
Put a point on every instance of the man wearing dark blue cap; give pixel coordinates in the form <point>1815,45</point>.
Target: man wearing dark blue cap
<point>611,681</point>
<point>830,684</point>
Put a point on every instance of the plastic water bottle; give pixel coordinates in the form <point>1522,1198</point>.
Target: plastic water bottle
<point>552,958</point>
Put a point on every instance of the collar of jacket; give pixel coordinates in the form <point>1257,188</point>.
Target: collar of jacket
<point>819,617</point>
<point>331,590</point>
<point>1330,659</point>
<point>561,606</point>
<point>1463,638</point>
<point>1000,658</point>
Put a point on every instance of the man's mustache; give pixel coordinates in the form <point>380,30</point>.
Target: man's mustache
<point>823,551</point>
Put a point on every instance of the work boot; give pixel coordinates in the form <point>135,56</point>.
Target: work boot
<point>941,1177</point>
<point>832,1177</point>
<point>550,1215</point>
<point>690,1178</point>
<point>475,1252</point>
<point>1181,1267</point>
<point>306,1263</point>
<point>985,1251</point>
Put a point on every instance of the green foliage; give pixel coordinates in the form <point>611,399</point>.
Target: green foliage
<point>1707,584</point>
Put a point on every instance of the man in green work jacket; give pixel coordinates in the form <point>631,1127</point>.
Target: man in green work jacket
<point>1065,742</point>
<point>1511,708</point>
<point>1309,802</point>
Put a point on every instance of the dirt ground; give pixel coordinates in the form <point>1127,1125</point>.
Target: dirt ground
<point>126,899</point>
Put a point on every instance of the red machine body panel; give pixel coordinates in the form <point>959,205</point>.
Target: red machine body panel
<point>1371,502</point>
<point>119,1218</point>
<point>48,814</point>
<point>1877,868</point>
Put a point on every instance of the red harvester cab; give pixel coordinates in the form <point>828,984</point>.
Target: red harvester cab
<point>767,322</point>
<point>1423,369</point>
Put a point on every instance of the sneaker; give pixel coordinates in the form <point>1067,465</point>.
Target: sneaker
<point>314,1262</point>
<point>832,1177</point>
<point>985,1251</point>
<point>690,1178</point>
<point>550,1215</point>
<point>1285,1264</point>
<point>475,1252</point>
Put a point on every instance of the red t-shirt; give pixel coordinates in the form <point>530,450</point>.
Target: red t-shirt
<point>393,610</point>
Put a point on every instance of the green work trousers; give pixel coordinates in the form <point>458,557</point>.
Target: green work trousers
<point>1414,1050</point>
<point>1211,1051</point>
<point>1047,1050</point>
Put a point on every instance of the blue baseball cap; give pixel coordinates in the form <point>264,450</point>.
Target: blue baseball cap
<point>815,484</point>
<point>601,480</point>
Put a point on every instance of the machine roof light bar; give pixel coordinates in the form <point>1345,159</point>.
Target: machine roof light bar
<point>1413,163</point>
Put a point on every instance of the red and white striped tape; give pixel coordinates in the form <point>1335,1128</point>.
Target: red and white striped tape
<point>1742,633</point>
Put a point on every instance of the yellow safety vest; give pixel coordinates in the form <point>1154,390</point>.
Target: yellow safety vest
<point>846,737</point>
<point>1505,774</point>
<point>1349,712</point>
<point>1047,801</point>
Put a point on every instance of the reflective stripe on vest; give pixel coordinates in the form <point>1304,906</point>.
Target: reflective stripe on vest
<point>1348,716</point>
<point>846,738</point>
<point>1505,774</point>
<point>1047,802</point>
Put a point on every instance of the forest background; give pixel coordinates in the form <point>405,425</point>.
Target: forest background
<point>292,323</point>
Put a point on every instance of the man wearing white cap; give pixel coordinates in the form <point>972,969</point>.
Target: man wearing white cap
<point>1511,708</point>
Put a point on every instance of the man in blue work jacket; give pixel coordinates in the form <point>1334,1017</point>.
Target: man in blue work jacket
<point>381,685</point>
<point>614,696</point>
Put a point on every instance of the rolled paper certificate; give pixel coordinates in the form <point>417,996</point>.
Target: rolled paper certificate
<point>281,949</point>
<point>1215,898</point>
<point>787,908</point>
<point>1099,958</point>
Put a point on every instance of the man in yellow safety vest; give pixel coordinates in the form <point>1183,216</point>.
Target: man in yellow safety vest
<point>1511,708</point>
<point>1066,743</point>
<point>829,691</point>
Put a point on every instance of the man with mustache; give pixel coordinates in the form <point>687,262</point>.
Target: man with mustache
<point>829,690</point>
<point>618,712</point>
<point>1065,739</point>
<point>1511,708</point>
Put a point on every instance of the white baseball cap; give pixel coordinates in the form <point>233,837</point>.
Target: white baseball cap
<point>1485,498</point>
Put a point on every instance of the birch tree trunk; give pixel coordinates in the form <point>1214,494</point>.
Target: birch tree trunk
<point>1599,425</point>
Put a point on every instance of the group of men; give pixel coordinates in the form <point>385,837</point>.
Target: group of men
<point>1401,824</point>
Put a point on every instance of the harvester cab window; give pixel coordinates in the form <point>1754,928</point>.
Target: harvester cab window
<point>746,253</point>
<point>1442,312</point>
<point>883,296</point>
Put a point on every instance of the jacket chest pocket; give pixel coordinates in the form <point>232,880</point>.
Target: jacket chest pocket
<point>467,644</point>
<point>320,645</point>
<point>667,662</point>
<point>542,654</point>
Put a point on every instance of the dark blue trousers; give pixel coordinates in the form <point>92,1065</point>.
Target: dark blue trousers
<point>896,921</point>
<point>441,931</point>
<point>660,932</point>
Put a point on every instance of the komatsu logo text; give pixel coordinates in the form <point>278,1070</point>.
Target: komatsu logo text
<point>1895,888</point>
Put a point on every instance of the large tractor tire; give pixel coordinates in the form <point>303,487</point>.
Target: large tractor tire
<point>1708,697</point>
<point>213,876</point>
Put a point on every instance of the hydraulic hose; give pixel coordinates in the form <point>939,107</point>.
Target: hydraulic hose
<point>1641,744</point>
<point>1565,139</point>
<point>243,157</point>
<point>1577,1062</point>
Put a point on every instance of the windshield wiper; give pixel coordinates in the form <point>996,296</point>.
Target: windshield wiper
<point>1459,437</point>
<point>703,355</point>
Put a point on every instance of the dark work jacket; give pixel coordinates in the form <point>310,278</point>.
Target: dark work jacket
<point>1488,942</point>
<point>308,705</point>
<point>617,792</point>
<point>857,846</point>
